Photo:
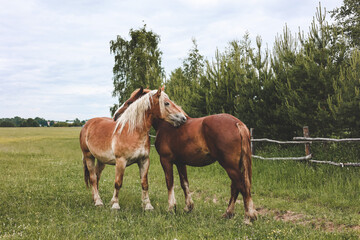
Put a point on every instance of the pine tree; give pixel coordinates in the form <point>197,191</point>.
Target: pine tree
<point>184,86</point>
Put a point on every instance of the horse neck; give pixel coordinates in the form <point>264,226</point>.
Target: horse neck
<point>148,122</point>
<point>157,123</point>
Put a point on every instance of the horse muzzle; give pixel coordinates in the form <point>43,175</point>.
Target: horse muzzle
<point>178,119</point>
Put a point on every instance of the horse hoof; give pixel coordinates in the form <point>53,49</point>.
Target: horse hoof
<point>172,210</point>
<point>99,203</point>
<point>252,215</point>
<point>247,221</point>
<point>228,215</point>
<point>148,207</point>
<point>115,206</point>
<point>189,208</point>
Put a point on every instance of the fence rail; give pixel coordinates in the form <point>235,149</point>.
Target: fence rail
<point>307,141</point>
<point>277,141</point>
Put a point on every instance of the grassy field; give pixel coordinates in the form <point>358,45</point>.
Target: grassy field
<point>43,196</point>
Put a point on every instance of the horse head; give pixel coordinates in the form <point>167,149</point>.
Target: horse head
<point>167,110</point>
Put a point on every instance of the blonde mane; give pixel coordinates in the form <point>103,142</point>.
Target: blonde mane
<point>134,115</point>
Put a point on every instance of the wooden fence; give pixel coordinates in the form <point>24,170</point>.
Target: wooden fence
<point>306,140</point>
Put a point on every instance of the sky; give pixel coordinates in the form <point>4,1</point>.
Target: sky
<point>55,60</point>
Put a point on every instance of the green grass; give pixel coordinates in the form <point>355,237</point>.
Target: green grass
<point>43,196</point>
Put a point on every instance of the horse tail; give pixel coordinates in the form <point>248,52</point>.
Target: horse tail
<point>245,156</point>
<point>86,173</point>
<point>84,150</point>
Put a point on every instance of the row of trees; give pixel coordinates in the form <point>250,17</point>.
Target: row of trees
<point>37,122</point>
<point>307,79</point>
<point>21,122</point>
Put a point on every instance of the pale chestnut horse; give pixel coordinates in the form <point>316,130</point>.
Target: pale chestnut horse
<point>125,141</point>
<point>200,142</point>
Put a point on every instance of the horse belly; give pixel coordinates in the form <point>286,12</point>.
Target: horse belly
<point>135,156</point>
<point>106,157</point>
<point>198,160</point>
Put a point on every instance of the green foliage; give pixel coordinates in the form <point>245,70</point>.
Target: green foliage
<point>345,103</point>
<point>29,123</point>
<point>184,85</point>
<point>137,63</point>
<point>61,124</point>
<point>38,122</point>
<point>7,123</point>
<point>304,76</point>
<point>347,19</point>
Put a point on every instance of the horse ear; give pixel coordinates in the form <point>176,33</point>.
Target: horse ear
<point>158,93</point>
<point>163,88</point>
<point>140,92</point>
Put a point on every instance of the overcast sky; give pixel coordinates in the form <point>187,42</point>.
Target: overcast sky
<point>55,61</point>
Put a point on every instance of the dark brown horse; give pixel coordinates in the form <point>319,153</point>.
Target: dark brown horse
<point>200,142</point>
<point>125,141</point>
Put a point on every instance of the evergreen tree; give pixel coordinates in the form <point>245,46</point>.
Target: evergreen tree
<point>345,103</point>
<point>184,86</point>
<point>304,76</point>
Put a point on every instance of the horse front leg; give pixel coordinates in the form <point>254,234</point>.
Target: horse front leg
<point>144,169</point>
<point>169,177</point>
<point>185,186</point>
<point>120,166</point>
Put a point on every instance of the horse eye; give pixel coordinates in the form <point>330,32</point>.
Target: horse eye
<point>167,103</point>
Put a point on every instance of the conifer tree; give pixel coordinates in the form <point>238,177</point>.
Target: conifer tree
<point>184,84</point>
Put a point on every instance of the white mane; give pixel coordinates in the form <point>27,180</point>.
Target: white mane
<point>134,115</point>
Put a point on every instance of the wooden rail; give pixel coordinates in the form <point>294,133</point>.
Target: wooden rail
<point>306,140</point>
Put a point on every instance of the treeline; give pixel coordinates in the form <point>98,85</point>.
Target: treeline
<point>308,79</point>
<point>37,122</point>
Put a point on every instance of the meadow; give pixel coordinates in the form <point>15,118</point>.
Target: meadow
<point>43,196</point>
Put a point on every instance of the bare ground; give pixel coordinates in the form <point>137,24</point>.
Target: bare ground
<point>302,219</point>
<point>297,218</point>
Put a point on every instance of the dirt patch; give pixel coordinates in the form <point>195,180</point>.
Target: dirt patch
<point>302,219</point>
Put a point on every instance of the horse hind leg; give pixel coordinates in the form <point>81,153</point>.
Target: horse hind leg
<point>230,211</point>
<point>99,168</point>
<point>91,177</point>
<point>240,182</point>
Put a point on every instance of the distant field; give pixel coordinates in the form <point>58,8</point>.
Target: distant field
<point>43,196</point>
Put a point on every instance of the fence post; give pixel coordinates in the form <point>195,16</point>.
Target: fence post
<point>251,142</point>
<point>307,145</point>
